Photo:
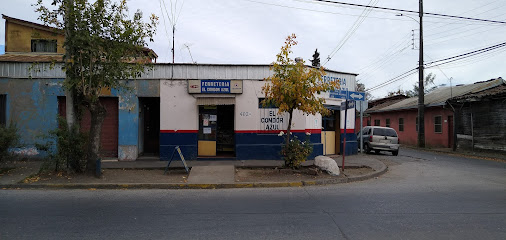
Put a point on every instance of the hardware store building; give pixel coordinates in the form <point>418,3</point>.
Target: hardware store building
<point>211,111</point>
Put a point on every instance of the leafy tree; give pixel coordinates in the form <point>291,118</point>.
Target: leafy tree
<point>315,62</point>
<point>429,80</point>
<point>103,47</point>
<point>294,86</point>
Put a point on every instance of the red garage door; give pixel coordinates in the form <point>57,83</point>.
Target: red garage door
<point>109,135</point>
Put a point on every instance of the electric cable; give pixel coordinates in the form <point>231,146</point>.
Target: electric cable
<point>411,11</point>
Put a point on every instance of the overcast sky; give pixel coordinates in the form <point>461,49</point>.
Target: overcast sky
<point>252,32</point>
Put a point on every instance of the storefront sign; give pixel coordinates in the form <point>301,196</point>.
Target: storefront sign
<point>271,121</point>
<point>215,86</point>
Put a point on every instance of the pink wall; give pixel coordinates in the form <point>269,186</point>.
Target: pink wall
<point>410,136</point>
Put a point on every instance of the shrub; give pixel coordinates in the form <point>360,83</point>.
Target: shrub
<point>9,138</point>
<point>69,153</point>
<point>296,152</point>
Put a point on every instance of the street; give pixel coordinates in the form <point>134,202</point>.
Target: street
<point>424,195</point>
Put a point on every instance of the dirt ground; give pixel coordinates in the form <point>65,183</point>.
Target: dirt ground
<point>180,176</point>
<point>116,176</point>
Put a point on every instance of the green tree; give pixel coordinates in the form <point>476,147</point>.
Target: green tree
<point>429,80</point>
<point>294,86</point>
<point>103,48</point>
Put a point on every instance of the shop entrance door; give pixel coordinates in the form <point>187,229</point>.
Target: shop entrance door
<point>216,131</point>
<point>149,126</point>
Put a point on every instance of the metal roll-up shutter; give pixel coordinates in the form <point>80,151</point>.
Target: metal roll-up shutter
<point>216,101</point>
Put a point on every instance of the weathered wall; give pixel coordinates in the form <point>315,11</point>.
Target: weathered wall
<point>32,105</point>
<point>488,126</point>
<point>18,38</point>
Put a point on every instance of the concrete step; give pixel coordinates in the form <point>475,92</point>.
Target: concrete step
<point>212,174</point>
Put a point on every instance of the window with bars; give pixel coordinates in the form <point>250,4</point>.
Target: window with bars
<point>401,124</point>
<point>44,45</point>
<point>387,122</point>
<point>377,122</point>
<point>438,126</point>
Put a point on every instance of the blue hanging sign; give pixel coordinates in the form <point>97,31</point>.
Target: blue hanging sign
<point>215,86</point>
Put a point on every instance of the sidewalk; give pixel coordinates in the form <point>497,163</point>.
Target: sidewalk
<point>204,174</point>
<point>486,155</point>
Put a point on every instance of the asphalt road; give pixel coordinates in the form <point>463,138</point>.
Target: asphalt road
<point>423,196</point>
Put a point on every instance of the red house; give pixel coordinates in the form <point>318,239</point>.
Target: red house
<point>402,114</point>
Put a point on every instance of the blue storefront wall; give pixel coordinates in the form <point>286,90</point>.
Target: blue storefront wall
<point>187,141</point>
<point>351,143</point>
<point>32,106</point>
<point>267,146</point>
<point>251,145</point>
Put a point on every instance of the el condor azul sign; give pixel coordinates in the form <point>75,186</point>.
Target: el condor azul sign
<point>214,86</point>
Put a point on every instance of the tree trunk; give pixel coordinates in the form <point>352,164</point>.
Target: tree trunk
<point>289,128</point>
<point>97,112</point>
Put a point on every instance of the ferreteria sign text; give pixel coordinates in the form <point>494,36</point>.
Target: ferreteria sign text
<point>214,86</point>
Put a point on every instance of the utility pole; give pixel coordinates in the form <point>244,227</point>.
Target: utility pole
<point>173,32</point>
<point>421,106</point>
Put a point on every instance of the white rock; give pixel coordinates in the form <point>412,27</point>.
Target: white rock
<point>327,164</point>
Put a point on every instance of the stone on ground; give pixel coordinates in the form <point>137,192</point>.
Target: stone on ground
<point>327,164</point>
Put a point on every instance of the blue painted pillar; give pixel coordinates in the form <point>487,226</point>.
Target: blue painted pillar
<point>128,127</point>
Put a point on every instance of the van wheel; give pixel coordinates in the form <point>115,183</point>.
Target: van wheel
<point>395,153</point>
<point>367,149</point>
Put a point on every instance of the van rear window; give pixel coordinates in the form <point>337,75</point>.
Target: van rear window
<point>384,132</point>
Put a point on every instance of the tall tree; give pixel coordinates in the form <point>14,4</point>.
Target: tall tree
<point>428,81</point>
<point>315,62</point>
<point>294,86</point>
<point>103,47</point>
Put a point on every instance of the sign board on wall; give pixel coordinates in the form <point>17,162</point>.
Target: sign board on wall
<point>350,120</point>
<point>215,86</point>
<point>271,121</point>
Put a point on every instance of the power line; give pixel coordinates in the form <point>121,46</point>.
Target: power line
<point>440,62</point>
<point>351,31</point>
<point>469,53</point>
<point>410,11</point>
<point>395,79</point>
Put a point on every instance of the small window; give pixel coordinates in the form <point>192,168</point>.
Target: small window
<point>3,109</point>
<point>377,122</point>
<point>401,124</point>
<point>387,122</point>
<point>261,105</point>
<point>417,124</point>
<point>438,127</point>
<point>43,45</point>
<point>329,122</point>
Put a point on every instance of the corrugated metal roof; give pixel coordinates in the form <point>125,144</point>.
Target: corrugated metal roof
<point>441,94</point>
<point>31,58</point>
<point>499,91</point>
<point>176,71</point>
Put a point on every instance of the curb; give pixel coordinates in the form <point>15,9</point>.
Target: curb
<point>94,186</point>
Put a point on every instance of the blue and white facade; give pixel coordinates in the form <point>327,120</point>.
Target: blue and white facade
<point>198,104</point>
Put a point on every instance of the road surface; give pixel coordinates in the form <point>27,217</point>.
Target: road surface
<point>424,195</point>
